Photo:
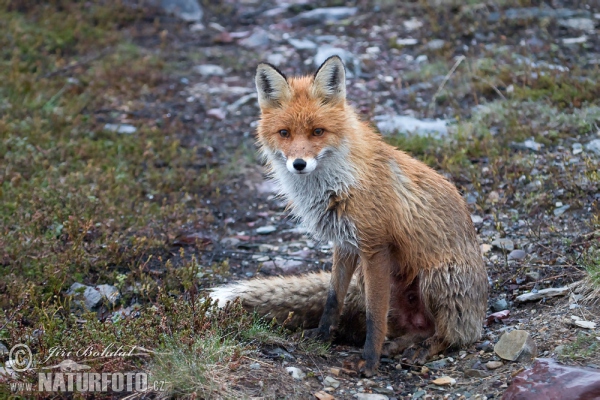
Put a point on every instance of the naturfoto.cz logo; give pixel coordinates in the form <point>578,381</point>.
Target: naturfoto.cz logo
<point>70,376</point>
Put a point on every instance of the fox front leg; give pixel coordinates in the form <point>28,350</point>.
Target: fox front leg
<point>344,265</point>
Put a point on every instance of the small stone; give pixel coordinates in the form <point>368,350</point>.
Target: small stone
<point>575,40</point>
<point>371,396</point>
<point>517,255</point>
<point>255,366</point>
<point>540,294</point>
<point>266,230</point>
<point>412,24</point>
<point>331,381</point>
<point>504,244</point>
<point>558,350</point>
<point>499,305</point>
<point>561,210</point>
<point>3,349</point>
<point>577,148</point>
<point>230,242</point>
<point>577,321</point>
<point>517,345</point>
<point>187,10</point>
<point>475,373</point>
<point>435,44</point>
<point>209,70</point>
<point>485,248</point>
<point>324,15</point>
<point>296,373</point>
<point>593,146</point>
<point>494,364</point>
<point>109,293</point>
<point>406,42</point>
<point>302,44</point>
<point>444,381</point>
<point>323,396</point>
<point>437,364</point>
<point>259,38</point>
<point>91,297</point>
<point>476,219</point>
<point>124,129</point>
<point>533,276</point>
<point>276,59</point>
<point>582,24</point>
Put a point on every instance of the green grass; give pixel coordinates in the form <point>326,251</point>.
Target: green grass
<point>585,346</point>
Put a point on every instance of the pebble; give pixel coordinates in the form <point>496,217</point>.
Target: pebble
<point>91,297</point>
<point>504,244</point>
<point>124,129</point>
<point>209,70</point>
<point>499,305</point>
<point>266,230</point>
<point>258,38</point>
<point>331,381</point>
<point>371,396</point>
<point>187,10</point>
<point>517,255</point>
<point>475,373</point>
<point>517,345</point>
<point>302,44</point>
<point>255,366</point>
<point>577,321</point>
<point>494,364</point>
<point>324,15</point>
<point>435,44</point>
<point>444,381</point>
<point>406,42</point>
<point>577,148</point>
<point>476,219</point>
<point>593,146</point>
<point>296,373</point>
<point>540,294</point>
<point>561,210</point>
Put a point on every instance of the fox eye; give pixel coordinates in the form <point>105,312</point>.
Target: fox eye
<point>319,132</point>
<point>284,133</point>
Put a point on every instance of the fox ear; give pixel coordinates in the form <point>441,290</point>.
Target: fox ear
<point>330,81</point>
<point>271,84</point>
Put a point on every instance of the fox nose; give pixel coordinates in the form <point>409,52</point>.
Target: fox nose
<point>299,164</point>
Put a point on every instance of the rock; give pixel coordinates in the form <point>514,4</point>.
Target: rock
<point>593,146</point>
<point>575,40</point>
<point>437,364</point>
<point>187,10</point>
<point>326,51</point>
<point>517,255</point>
<point>412,24</point>
<point>577,321</point>
<point>109,293</point>
<point>549,380</point>
<point>550,292</point>
<point>282,267</point>
<point>3,349</point>
<point>323,396</point>
<point>217,113</point>
<point>230,242</point>
<point>558,350</point>
<point>324,15</point>
<point>124,129</point>
<point>255,366</point>
<point>406,42</point>
<point>561,210</point>
<point>533,276</point>
<point>582,24</point>
<point>475,373</point>
<point>258,38</point>
<point>435,44</point>
<point>371,396</point>
<point>499,305</point>
<point>296,373</point>
<point>209,70</point>
<point>486,346</point>
<point>504,244</point>
<point>577,148</point>
<point>444,381</point>
<point>91,297</point>
<point>485,248</point>
<point>266,230</point>
<point>331,381</point>
<point>476,219</point>
<point>494,364</point>
<point>394,124</point>
<point>529,144</point>
<point>516,345</point>
<point>523,13</point>
<point>302,44</point>
<point>276,59</point>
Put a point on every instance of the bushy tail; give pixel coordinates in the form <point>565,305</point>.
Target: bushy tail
<point>303,295</point>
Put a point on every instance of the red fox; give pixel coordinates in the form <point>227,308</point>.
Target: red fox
<point>402,226</point>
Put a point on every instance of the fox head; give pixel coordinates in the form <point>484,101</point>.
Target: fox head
<point>303,119</point>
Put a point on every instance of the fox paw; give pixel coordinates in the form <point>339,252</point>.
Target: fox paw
<point>323,335</point>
